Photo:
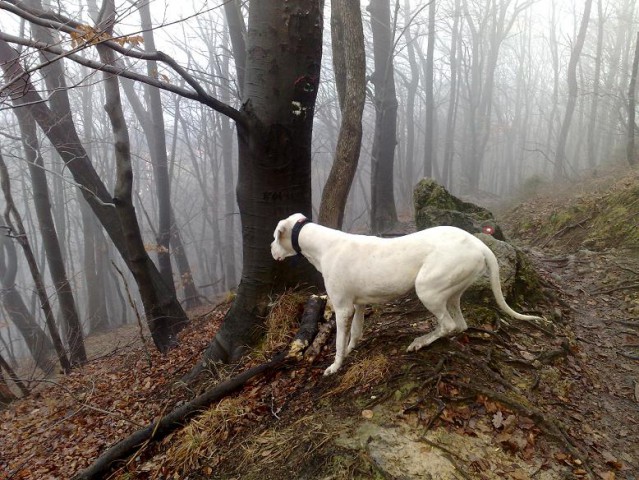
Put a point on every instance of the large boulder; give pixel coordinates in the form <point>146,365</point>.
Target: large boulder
<point>435,206</point>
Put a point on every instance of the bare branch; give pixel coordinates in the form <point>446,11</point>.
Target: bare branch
<point>60,23</point>
<point>200,96</point>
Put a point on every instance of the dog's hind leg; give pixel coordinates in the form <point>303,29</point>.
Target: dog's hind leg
<point>343,319</point>
<point>438,295</point>
<point>454,307</point>
<point>446,325</point>
<point>357,328</point>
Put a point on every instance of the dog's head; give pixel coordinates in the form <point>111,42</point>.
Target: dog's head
<point>282,246</point>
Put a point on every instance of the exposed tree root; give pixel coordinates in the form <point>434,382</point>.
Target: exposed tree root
<point>175,419</point>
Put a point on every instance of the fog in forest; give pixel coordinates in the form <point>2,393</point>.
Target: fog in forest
<point>109,208</point>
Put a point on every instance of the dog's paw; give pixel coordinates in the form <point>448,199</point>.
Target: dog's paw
<point>331,370</point>
<point>416,345</point>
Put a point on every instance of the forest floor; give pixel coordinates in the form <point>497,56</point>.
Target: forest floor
<point>504,400</point>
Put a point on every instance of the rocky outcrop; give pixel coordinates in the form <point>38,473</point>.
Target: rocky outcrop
<point>434,206</point>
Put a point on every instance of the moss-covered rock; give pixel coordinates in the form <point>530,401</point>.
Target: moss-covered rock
<point>435,206</point>
<point>520,283</point>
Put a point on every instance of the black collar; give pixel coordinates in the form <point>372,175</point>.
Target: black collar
<point>296,233</point>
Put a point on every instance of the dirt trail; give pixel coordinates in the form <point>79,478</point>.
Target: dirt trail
<point>604,415</point>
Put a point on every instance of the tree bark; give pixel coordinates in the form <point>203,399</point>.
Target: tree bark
<point>383,211</point>
<point>560,158</point>
<point>349,60</point>
<point>284,50</point>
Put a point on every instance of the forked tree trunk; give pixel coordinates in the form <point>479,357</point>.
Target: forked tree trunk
<point>163,328</point>
<point>350,77</point>
<point>284,49</point>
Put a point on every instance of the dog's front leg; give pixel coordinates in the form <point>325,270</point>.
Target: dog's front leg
<point>343,318</point>
<point>357,328</point>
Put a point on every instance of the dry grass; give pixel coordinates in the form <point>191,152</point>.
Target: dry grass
<point>364,373</point>
<point>284,314</point>
<point>276,447</point>
<point>202,441</point>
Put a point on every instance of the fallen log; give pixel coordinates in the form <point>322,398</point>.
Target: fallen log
<point>159,429</point>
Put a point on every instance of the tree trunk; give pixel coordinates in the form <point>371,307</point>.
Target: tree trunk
<point>630,146</point>
<point>429,141</point>
<point>451,117</point>
<point>54,78</point>
<point>95,286</point>
<point>57,269</point>
<point>61,132</point>
<point>161,326</point>
<point>35,338</point>
<point>411,93</point>
<point>11,215</point>
<point>226,139</point>
<point>560,158</point>
<point>349,62</point>
<point>593,133</point>
<point>383,212</point>
<point>284,47</point>
<point>156,139</point>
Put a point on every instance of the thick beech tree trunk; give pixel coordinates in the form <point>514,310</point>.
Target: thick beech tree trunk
<point>284,49</point>
<point>350,77</point>
<point>383,212</point>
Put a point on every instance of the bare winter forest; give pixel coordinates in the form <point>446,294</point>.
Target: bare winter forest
<point>148,148</point>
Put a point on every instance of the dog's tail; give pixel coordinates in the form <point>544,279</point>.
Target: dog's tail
<point>495,283</point>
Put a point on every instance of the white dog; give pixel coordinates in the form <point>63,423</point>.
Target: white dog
<point>440,262</point>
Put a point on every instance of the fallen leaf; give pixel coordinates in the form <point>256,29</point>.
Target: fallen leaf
<point>498,420</point>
